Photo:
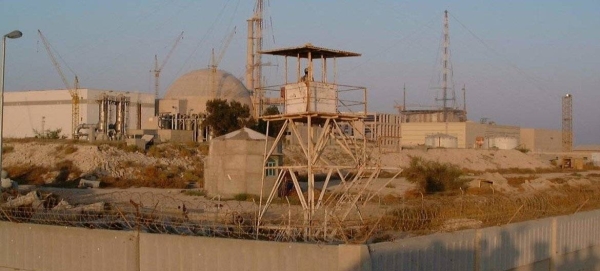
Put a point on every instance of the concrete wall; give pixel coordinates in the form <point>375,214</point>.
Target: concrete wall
<point>554,244</point>
<point>557,243</point>
<point>172,106</point>
<point>175,135</point>
<point>55,248</point>
<point>541,140</point>
<point>24,110</point>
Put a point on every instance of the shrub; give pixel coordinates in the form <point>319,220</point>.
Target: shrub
<point>155,152</point>
<point>522,149</point>
<point>245,197</point>
<point>203,148</point>
<point>49,134</point>
<point>131,148</point>
<point>8,149</point>
<point>70,148</point>
<point>431,176</point>
<point>195,192</point>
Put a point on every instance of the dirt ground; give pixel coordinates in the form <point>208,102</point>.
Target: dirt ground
<point>108,161</point>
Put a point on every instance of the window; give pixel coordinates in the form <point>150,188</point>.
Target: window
<point>269,172</point>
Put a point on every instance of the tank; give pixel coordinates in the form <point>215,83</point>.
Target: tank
<point>501,142</point>
<point>441,141</point>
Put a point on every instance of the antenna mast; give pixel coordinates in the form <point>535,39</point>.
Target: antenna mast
<point>254,58</point>
<point>567,123</point>
<point>259,42</point>
<point>445,66</point>
<point>464,99</point>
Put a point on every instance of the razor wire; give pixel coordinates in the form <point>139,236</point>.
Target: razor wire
<point>285,221</point>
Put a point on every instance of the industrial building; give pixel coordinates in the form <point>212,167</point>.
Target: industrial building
<point>112,112</point>
<point>183,108</point>
<point>189,93</point>
<point>541,140</point>
<point>120,114</point>
<point>466,134</point>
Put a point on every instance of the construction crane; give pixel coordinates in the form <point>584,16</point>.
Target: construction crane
<point>158,69</point>
<point>216,60</point>
<point>73,91</point>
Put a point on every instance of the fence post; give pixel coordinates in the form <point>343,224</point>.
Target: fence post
<point>553,244</point>
<point>477,251</point>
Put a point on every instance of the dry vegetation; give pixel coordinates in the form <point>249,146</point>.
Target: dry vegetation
<point>431,213</point>
<point>432,176</point>
<point>116,164</point>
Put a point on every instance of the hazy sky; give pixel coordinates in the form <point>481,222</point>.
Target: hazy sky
<point>516,58</point>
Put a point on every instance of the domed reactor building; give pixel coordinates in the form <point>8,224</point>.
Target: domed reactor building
<point>181,111</point>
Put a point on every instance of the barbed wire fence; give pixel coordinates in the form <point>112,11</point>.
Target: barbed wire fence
<point>372,221</point>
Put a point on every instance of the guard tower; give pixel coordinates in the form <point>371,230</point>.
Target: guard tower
<point>317,113</point>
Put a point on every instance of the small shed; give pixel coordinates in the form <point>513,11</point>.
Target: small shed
<point>235,164</point>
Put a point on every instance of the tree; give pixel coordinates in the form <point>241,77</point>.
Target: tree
<point>223,117</point>
<point>274,127</point>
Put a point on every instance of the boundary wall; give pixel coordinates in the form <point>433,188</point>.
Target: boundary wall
<point>557,243</point>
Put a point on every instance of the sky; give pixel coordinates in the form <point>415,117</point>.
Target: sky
<point>515,59</point>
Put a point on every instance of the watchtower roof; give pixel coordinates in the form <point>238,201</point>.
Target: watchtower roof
<point>316,52</point>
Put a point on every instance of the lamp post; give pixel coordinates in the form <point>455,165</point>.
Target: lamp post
<point>12,35</point>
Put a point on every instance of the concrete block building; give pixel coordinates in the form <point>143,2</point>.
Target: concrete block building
<point>235,165</point>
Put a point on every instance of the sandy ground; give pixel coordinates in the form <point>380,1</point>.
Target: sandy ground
<point>99,160</point>
<point>107,161</point>
<point>475,160</point>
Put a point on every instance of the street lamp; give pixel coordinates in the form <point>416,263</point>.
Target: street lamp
<point>12,35</point>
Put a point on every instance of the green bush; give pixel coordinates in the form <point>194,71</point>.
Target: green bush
<point>432,176</point>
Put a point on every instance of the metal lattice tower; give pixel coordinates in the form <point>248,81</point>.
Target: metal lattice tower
<point>567,123</point>
<point>253,57</point>
<point>446,68</point>
<point>316,113</point>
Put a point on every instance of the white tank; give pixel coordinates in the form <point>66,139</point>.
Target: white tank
<point>441,141</point>
<point>501,142</point>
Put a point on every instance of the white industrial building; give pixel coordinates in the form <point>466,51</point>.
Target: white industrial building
<point>120,114</point>
<point>28,112</point>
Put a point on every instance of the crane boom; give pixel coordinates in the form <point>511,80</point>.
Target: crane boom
<point>158,69</point>
<point>72,91</point>
<point>217,60</point>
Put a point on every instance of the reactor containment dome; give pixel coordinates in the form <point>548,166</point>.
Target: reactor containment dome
<point>190,92</point>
